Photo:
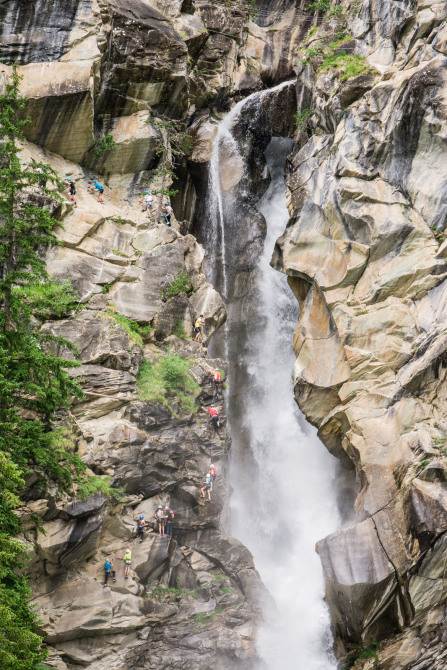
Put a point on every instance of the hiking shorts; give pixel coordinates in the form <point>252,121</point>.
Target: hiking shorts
<point>197,329</point>
<point>100,191</point>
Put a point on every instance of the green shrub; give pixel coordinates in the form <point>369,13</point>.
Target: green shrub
<point>179,330</point>
<point>351,65</point>
<point>167,381</point>
<point>92,485</point>
<point>132,328</point>
<point>105,143</point>
<point>180,284</point>
<point>301,117</point>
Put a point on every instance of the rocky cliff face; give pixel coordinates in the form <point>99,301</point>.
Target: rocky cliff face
<point>365,255</point>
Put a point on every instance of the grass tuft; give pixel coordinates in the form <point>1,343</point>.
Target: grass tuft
<point>167,381</point>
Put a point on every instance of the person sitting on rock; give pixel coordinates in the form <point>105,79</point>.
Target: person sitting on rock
<point>212,474</point>
<point>127,562</point>
<point>169,518</point>
<point>206,487</point>
<point>141,525</point>
<point>108,570</point>
<point>160,518</point>
<point>213,418</point>
<point>200,322</point>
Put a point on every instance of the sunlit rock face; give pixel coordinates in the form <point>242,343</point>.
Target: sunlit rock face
<point>366,194</point>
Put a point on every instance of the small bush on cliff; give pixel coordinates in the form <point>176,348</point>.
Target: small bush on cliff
<point>132,328</point>
<point>167,381</point>
<point>350,65</point>
<point>105,143</point>
<point>180,284</point>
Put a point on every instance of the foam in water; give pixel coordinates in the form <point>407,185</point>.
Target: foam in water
<point>283,497</point>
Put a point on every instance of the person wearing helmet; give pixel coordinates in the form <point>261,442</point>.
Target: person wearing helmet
<point>212,474</point>
<point>147,203</point>
<point>160,519</point>
<point>141,525</point>
<point>100,189</point>
<point>206,488</point>
<point>127,558</point>
<point>71,190</point>
<point>169,518</point>
<point>108,570</point>
<point>168,213</point>
<point>213,418</point>
<point>216,379</point>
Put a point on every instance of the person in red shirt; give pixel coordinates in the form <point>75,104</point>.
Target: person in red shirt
<point>213,418</point>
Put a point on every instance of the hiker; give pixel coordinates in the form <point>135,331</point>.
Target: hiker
<point>43,178</point>
<point>206,487</point>
<point>141,525</point>
<point>71,190</point>
<point>168,213</point>
<point>99,188</point>
<point>108,570</point>
<point>160,518</point>
<point>200,322</point>
<point>213,417</point>
<point>127,562</point>
<point>169,518</point>
<point>212,474</point>
<point>147,203</point>
<point>216,381</point>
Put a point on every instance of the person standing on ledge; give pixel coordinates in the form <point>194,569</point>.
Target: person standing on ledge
<point>71,190</point>
<point>127,562</point>
<point>160,518</point>
<point>147,203</point>
<point>168,213</point>
<point>108,570</point>
<point>141,525</point>
<point>169,518</point>
<point>200,322</point>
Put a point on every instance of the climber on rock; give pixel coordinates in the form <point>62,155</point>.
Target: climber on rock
<point>213,418</point>
<point>216,379</point>
<point>160,518</point>
<point>71,190</point>
<point>108,570</point>
<point>127,562</point>
<point>206,488</point>
<point>168,213</point>
<point>141,525</point>
<point>99,188</point>
<point>169,518</point>
<point>212,474</point>
<point>147,203</point>
<point>200,322</point>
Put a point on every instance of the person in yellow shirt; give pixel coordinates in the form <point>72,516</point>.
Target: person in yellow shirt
<point>200,322</point>
<point>127,562</point>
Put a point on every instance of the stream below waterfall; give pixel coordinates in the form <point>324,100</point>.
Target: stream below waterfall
<point>283,495</point>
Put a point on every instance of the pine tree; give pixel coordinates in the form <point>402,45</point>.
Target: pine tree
<point>34,378</point>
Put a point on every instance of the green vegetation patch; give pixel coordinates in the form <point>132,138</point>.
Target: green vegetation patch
<point>180,284</point>
<point>301,117</point>
<point>350,65</point>
<point>93,485</point>
<point>167,381</point>
<point>105,143</point>
<point>132,328</point>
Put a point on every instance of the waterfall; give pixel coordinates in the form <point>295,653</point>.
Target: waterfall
<point>283,498</point>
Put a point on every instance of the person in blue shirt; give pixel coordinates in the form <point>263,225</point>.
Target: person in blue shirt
<point>206,487</point>
<point>99,188</point>
<point>108,570</point>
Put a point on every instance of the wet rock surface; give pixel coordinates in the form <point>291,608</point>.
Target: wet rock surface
<point>364,260</point>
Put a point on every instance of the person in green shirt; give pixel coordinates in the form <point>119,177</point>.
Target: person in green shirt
<point>127,563</point>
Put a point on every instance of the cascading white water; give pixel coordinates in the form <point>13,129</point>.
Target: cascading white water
<point>282,477</point>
